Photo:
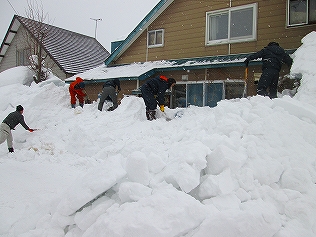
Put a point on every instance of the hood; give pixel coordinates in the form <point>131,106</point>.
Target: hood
<point>275,49</point>
<point>79,79</point>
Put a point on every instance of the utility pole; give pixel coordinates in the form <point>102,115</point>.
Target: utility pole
<point>96,25</point>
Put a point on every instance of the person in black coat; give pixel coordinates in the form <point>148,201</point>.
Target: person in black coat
<point>272,58</point>
<point>109,92</point>
<point>10,123</point>
<point>155,87</point>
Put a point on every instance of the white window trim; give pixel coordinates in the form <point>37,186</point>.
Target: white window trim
<point>235,40</point>
<point>156,45</point>
<point>288,15</point>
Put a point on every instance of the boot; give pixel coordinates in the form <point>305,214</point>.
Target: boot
<point>11,149</point>
<point>151,114</point>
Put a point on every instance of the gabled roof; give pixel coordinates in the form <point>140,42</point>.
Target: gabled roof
<point>72,52</point>
<point>140,28</point>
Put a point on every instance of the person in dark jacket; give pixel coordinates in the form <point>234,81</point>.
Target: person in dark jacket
<point>272,58</point>
<point>155,87</point>
<point>10,123</point>
<point>109,92</point>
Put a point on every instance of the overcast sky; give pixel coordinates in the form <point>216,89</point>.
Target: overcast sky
<point>119,17</point>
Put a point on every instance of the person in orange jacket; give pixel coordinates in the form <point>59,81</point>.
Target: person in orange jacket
<point>76,89</point>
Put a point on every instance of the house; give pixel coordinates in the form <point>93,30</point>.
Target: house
<point>68,52</point>
<point>203,45</point>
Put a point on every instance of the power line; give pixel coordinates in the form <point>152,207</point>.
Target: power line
<point>13,7</point>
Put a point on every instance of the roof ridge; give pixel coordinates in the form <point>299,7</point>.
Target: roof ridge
<point>57,27</point>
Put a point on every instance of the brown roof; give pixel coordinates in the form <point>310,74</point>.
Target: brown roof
<point>73,52</point>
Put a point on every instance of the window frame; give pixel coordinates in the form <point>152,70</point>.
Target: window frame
<point>22,57</point>
<point>230,39</point>
<point>307,18</point>
<point>155,45</point>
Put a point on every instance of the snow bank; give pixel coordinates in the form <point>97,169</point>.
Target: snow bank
<point>244,168</point>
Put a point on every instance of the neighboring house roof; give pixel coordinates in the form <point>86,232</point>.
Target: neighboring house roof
<point>72,52</point>
<point>142,26</point>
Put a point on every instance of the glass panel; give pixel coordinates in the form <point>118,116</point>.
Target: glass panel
<point>17,58</point>
<point>179,96</point>
<point>298,11</point>
<point>195,94</point>
<point>218,27</point>
<point>312,11</point>
<point>27,53</point>
<point>151,38</point>
<point>159,37</point>
<point>234,90</point>
<point>213,93</point>
<point>241,23</point>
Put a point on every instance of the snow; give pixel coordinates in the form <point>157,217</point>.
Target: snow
<point>244,168</point>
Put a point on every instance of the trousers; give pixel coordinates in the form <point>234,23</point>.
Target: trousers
<point>268,80</point>
<point>5,134</point>
<point>108,91</point>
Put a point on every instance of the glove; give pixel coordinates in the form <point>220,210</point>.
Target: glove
<point>246,62</point>
<point>162,108</point>
<point>31,130</point>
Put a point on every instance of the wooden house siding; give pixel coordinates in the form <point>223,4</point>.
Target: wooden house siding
<point>127,86</point>
<point>184,24</point>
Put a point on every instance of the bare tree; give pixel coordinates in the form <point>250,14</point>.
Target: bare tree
<point>35,39</point>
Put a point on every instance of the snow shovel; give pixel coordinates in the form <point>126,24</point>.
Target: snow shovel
<point>166,116</point>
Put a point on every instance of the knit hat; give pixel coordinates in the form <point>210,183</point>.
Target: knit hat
<point>171,81</point>
<point>273,43</point>
<point>19,108</point>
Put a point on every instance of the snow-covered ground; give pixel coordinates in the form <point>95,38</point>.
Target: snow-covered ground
<point>244,168</point>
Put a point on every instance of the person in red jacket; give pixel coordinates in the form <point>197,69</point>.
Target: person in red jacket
<point>76,89</point>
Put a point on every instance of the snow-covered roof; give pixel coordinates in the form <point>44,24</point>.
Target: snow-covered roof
<point>141,71</point>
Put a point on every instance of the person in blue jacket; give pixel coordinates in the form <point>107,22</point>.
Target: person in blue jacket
<point>155,87</point>
<point>272,58</point>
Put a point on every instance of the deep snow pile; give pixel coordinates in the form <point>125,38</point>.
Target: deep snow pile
<point>244,168</point>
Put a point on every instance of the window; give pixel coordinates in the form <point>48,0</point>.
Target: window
<point>155,38</point>
<point>231,25</point>
<point>22,57</point>
<point>206,93</point>
<point>301,12</point>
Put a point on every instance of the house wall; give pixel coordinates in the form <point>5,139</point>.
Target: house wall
<point>184,24</point>
<point>126,89</point>
<point>9,60</point>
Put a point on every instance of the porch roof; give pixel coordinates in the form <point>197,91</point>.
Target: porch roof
<point>144,70</point>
